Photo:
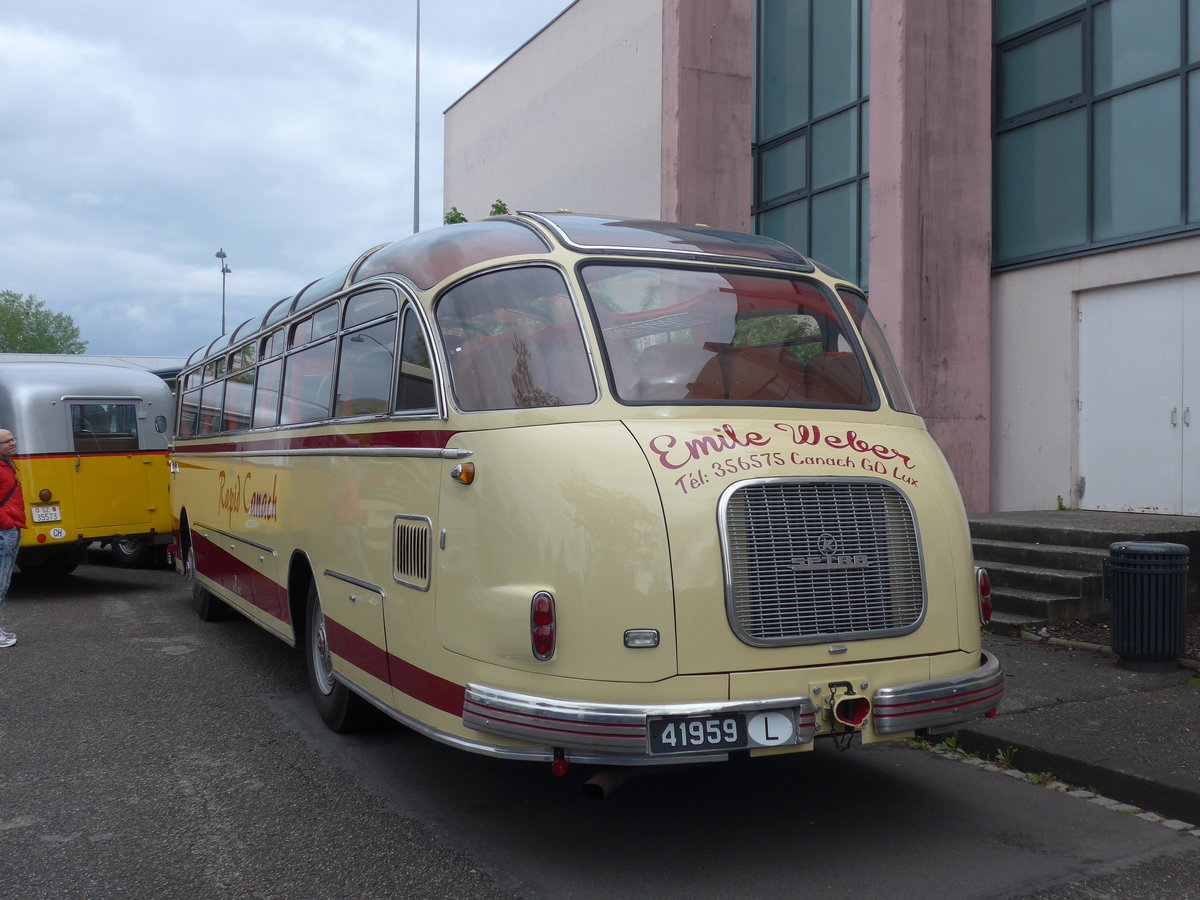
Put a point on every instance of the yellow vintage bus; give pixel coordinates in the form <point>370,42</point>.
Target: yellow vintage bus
<point>586,490</point>
<point>92,441</point>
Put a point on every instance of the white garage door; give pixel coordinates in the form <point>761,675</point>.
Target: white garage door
<point>1139,390</point>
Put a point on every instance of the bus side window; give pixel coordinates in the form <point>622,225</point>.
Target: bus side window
<point>308,384</point>
<point>365,371</point>
<point>266,394</point>
<point>189,411</point>
<point>414,389</point>
<point>512,342</point>
<point>212,397</point>
<point>239,391</point>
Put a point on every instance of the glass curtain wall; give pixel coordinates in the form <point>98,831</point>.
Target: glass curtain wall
<point>811,129</point>
<point>1097,125</point>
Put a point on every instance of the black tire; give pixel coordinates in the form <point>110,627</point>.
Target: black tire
<point>131,553</point>
<point>340,708</point>
<point>208,606</point>
<point>51,562</point>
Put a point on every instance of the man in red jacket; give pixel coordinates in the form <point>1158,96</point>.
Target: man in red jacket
<point>12,520</point>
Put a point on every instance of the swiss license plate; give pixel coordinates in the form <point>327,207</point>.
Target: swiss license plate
<point>696,734</point>
<point>47,513</point>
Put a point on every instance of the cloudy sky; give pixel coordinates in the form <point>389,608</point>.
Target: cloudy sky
<point>139,136</point>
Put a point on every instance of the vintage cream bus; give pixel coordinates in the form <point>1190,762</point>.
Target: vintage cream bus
<point>92,458</point>
<point>582,489</point>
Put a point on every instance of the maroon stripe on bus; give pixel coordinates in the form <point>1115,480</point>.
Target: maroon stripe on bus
<point>357,650</point>
<point>337,441</point>
<point>225,569</point>
<point>430,689</point>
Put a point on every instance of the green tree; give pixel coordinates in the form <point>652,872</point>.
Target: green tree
<point>27,326</point>
<point>454,215</point>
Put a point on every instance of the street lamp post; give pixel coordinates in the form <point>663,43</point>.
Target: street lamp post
<point>417,133</point>
<point>225,270</point>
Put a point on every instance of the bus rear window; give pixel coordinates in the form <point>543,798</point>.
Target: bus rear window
<point>104,427</point>
<point>675,335</point>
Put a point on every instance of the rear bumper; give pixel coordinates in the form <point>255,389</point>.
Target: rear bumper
<point>617,733</point>
<point>616,729</point>
<point>942,704</point>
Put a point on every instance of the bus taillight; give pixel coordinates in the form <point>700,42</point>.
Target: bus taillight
<point>542,625</point>
<point>984,582</point>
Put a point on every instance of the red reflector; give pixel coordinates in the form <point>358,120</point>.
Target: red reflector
<point>41,539</point>
<point>543,610</point>
<point>991,714</point>
<point>542,625</point>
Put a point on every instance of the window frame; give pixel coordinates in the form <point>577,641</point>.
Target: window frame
<point>762,147</point>
<point>1087,99</point>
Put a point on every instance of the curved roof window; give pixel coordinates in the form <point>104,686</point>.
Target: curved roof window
<point>608,233</point>
<point>277,312</point>
<point>320,289</point>
<point>432,256</point>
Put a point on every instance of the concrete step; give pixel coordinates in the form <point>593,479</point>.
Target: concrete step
<point>1085,528</point>
<point>1012,624</point>
<point>1040,605</point>
<point>1086,585</point>
<point>1050,556</point>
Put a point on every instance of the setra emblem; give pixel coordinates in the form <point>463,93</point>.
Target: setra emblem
<point>829,557</point>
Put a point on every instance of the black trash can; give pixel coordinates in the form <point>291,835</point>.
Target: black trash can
<point>1147,586</point>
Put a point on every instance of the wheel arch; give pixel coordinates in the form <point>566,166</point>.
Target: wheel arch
<point>299,578</point>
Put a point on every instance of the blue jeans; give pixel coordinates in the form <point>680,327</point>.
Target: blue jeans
<point>10,542</point>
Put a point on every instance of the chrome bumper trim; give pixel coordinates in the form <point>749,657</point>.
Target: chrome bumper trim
<point>606,727</point>
<point>941,704</point>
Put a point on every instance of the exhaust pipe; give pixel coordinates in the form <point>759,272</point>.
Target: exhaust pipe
<point>604,782</point>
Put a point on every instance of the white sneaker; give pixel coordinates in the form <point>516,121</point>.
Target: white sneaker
<point>7,638</point>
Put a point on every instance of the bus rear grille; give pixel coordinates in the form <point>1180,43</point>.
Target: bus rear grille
<point>809,561</point>
<point>413,551</point>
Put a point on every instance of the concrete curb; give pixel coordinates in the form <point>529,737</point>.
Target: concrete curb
<point>1185,662</point>
<point>1057,784</point>
<point>1167,795</point>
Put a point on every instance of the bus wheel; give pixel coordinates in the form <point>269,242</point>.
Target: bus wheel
<point>130,553</point>
<point>207,605</point>
<point>51,562</point>
<point>340,708</point>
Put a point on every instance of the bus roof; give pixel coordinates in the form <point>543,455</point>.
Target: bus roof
<point>429,257</point>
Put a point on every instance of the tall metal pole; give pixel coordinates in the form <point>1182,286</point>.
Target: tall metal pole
<point>417,133</point>
<point>225,270</point>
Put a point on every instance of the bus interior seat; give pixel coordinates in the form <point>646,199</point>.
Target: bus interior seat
<point>836,378</point>
<point>751,373</point>
<point>665,371</point>
<point>509,371</point>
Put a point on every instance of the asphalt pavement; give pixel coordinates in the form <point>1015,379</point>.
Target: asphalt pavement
<point>1076,714</point>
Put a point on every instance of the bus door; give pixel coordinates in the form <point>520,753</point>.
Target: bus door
<point>113,482</point>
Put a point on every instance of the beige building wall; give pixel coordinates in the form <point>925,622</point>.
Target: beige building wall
<point>572,120</point>
<point>1035,350</point>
